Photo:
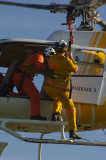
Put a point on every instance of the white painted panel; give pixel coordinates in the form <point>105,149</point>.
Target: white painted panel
<point>86,89</point>
<point>79,37</point>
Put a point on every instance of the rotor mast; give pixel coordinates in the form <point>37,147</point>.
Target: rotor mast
<point>69,22</point>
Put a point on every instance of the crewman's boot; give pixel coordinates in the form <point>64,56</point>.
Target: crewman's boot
<point>74,135</point>
<point>56,117</point>
<point>38,118</point>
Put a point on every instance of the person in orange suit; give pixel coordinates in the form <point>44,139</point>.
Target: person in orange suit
<point>23,78</point>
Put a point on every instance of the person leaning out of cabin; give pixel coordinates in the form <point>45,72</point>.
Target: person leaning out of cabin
<point>58,85</point>
<point>23,77</point>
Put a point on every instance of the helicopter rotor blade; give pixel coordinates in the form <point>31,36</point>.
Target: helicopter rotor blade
<point>53,7</point>
<point>83,8</point>
<point>103,25</point>
<point>62,8</point>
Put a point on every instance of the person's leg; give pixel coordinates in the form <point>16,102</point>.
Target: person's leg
<point>63,97</point>
<point>68,104</point>
<point>29,88</point>
<point>31,91</point>
<point>57,105</point>
<point>57,108</point>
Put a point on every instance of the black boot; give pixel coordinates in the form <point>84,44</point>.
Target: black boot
<point>74,135</point>
<point>38,118</point>
<point>56,117</point>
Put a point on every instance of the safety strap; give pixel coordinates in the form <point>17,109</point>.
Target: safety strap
<point>70,111</point>
<point>70,92</point>
<point>22,79</point>
<point>30,67</point>
<point>60,75</point>
<point>57,85</point>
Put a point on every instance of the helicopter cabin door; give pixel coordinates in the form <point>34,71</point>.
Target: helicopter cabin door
<point>89,84</point>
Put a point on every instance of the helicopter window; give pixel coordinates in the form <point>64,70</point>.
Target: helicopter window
<point>96,61</point>
<point>89,62</point>
<point>77,59</point>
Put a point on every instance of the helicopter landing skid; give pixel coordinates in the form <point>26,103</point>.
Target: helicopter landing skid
<point>3,126</point>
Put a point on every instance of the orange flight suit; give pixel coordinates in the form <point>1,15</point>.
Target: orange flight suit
<point>24,76</point>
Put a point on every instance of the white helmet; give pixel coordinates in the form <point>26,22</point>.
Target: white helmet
<point>49,51</point>
<point>62,44</point>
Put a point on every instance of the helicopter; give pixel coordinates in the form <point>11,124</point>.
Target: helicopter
<point>91,61</point>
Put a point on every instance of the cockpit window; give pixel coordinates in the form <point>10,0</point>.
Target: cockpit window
<point>90,63</point>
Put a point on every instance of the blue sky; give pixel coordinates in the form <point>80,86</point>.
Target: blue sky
<point>17,22</point>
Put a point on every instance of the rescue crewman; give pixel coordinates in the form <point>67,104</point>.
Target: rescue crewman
<point>58,85</point>
<point>23,77</point>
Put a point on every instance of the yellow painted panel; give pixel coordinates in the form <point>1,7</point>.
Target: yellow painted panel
<point>96,68</point>
<point>95,39</point>
<point>88,115</point>
<point>102,41</point>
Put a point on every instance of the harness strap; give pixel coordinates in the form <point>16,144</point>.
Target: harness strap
<point>57,85</point>
<point>60,75</point>
<point>22,80</point>
<point>24,74</point>
<point>70,92</point>
<point>28,67</point>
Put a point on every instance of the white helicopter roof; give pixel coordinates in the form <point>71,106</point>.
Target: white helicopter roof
<point>19,48</point>
<point>22,40</point>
